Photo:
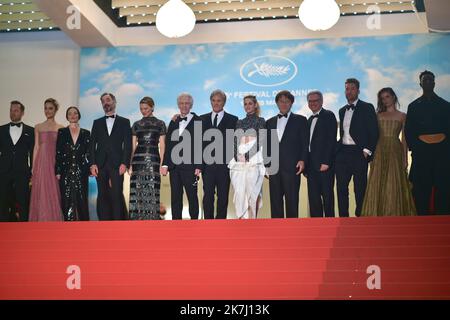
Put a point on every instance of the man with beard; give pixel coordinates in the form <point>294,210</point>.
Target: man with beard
<point>110,153</point>
<point>358,126</point>
<point>427,131</point>
<point>16,158</point>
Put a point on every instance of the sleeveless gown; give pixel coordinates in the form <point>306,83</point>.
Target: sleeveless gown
<point>388,190</point>
<point>45,196</point>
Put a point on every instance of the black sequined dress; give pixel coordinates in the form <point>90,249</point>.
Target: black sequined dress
<point>145,179</point>
<point>73,166</point>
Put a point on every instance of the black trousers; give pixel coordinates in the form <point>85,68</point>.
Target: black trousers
<point>284,187</point>
<point>321,193</point>
<point>180,179</point>
<point>350,162</point>
<point>14,188</point>
<point>430,169</point>
<point>110,198</point>
<point>216,178</point>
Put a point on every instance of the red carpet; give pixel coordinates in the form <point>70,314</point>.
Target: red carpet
<point>232,259</point>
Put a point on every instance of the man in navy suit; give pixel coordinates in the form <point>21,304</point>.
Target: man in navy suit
<point>109,158</point>
<point>322,127</point>
<point>16,159</point>
<point>292,134</point>
<point>216,176</point>
<point>358,138</point>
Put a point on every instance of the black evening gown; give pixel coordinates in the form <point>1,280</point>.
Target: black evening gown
<point>73,166</point>
<point>145,181</point>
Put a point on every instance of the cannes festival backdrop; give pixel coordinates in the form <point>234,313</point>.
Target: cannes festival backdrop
<point>261,68</point>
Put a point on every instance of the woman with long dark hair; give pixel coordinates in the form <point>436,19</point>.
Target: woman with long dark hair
<point>388,190</point>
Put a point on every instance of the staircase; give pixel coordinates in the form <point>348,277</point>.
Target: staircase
<point>228,259</point>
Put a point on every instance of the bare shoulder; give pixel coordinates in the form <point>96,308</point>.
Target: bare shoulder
<point>401,116</point>
<point>38,127</point>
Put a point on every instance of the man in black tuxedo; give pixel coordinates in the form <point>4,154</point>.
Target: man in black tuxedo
<point>358,128</point>
<point>292,132</point>
<point>16,159</point>
<point>216,175</point>
<point>110,153</point>
<point>183,157</point>
<point>427,131</point>
<point>322,127</point>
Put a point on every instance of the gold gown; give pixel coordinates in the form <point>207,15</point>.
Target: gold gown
<point>388,190</point>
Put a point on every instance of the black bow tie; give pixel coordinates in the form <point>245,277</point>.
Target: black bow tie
<point>350,106</point>
<point>314,116</point>
<point>112,117</point>
<point>183,119</point>
<point>16,124</point>
<point>282,115</point>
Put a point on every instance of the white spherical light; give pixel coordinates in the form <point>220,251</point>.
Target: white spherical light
<point>175,19</point>
<point>319,14</point>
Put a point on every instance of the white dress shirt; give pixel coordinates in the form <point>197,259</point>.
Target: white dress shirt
<point>184,124</point>
<point>281,125</point>
<point>313,126</point>
<point>347,138</point>
<point>15,133</point>
<point>219,117</point>
<point>110,123</point>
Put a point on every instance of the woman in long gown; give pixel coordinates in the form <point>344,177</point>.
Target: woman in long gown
<point>247,167</point>
<point>45,204</point>
<point>72,168</point>
<point>146,159</point>
<point>388,190</point>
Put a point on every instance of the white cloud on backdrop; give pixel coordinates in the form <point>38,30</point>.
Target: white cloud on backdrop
<point>96,61</point>
<point>292,51</point>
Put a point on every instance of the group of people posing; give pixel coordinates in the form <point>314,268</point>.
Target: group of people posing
<point>57,161</point>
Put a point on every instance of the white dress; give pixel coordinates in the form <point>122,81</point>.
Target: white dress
<point>247,179</point>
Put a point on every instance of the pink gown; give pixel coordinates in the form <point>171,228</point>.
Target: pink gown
<point>45,202</point>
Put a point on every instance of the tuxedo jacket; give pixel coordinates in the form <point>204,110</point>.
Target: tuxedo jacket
<point>65,151</point>
<point>363,127</point>
<point>18,157</point>
<point>323,140</point>
<point>114,149</point>
<point>171,142</point>
<point>228,122</point>
<point>293,146</point>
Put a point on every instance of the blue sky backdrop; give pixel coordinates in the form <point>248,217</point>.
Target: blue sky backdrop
<point>162,72</point>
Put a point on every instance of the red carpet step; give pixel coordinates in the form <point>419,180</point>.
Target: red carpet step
<point>233,259</point>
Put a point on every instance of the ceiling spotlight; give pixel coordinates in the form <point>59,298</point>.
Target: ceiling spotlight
<point>175,19</point>
<point>319,15</point>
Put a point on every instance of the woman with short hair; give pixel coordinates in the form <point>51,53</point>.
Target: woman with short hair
<point>72,167</point>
